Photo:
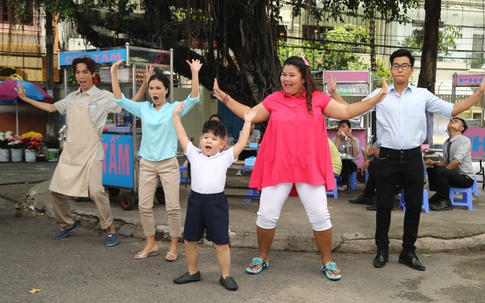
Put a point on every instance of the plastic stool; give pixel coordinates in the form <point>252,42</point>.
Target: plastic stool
<point>466,197</point>
<point>252,193</point>
<point>424,204</point>
<point>183,179</point>
<point>353,180</point>
<point>333,192</point>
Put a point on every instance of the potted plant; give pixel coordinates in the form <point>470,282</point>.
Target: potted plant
<point>4,148</point>
<point>32,145</point>
<point>16,145</point>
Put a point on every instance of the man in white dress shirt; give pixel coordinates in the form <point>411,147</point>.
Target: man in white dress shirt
<point>401,129</point>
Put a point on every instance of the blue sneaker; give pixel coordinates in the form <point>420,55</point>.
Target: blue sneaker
<point>111,239</point>
<point>65,232</point>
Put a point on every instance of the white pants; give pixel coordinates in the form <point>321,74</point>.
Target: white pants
<point>313,198</point>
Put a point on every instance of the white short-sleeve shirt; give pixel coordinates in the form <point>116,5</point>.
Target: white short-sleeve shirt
<point>208,174</point>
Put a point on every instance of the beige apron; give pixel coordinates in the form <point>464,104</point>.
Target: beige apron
<point>71,176</point>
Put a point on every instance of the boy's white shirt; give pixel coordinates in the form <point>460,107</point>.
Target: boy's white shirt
<point>208,174</point>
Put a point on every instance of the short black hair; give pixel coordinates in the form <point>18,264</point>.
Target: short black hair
<point>465,127</point>
<point>402,52</point>
<point>215,127</point>
<point>345,122</point>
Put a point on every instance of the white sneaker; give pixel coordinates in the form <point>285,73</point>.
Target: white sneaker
<point>342,187</point>
<point>239,173</point>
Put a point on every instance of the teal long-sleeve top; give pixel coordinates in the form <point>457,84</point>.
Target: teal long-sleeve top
<point>159,140</point>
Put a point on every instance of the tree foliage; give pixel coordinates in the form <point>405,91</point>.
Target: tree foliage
<point>323,10</point>
<point>446,43</point>
<point>335,49</point>
<point>235,39</point>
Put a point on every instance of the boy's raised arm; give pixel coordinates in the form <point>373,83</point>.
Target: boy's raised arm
<point>179,128</point>
<point>244,134</point>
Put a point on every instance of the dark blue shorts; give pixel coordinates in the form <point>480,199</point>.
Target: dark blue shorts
<point>209,213</point>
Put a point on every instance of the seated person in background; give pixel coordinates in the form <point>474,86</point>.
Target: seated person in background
<point>254,135</point>
<point>367,196</point>
<point>336,160</point>
<point>215,117</point>
<point>345,141</point>
<point>454,170</point>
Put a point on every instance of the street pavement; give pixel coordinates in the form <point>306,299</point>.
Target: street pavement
<point>353,225</point>
<point>35,268</point>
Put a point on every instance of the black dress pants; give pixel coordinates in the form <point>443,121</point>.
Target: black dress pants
<point>402,168</point>
<point>440,180</point>
<point>348,167</point>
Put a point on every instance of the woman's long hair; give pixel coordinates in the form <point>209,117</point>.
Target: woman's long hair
<point>309,85</point>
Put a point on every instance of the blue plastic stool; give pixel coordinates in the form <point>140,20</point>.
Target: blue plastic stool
<point>424,204</point>
<point>333,192</point>
<point>183,179</point>
<point>252,193</point>
<point>466,197</point>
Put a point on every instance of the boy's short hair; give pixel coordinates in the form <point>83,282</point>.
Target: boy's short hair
<point>215,127</point>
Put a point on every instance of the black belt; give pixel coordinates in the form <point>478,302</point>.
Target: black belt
<point>400,152</point>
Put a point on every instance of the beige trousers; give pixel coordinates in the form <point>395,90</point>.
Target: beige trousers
<point>168,173</point>
<point>97,193</point>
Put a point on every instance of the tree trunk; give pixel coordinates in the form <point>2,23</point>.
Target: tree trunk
<point>427,74</point>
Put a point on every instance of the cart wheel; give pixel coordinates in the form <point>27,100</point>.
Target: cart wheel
<point>127,202</point>
<point>160,195</point>
<point>77,199</point>
<point>113,192</point>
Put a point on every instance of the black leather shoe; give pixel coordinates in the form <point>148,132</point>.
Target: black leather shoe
<point>228,283</point>
<point>187,278</point>
<point>361,200</point>
<point>381,258</point>
<point>372,207</point>
<point>411,260</point>
<point>443,204</point>
<point>434,199</point>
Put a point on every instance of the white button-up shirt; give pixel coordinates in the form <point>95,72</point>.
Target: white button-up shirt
<point>401,119</point>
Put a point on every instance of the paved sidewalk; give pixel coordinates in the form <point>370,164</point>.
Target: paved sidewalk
<point>353,225</point>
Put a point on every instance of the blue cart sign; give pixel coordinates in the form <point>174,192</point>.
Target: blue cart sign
<point>118,161</point>
<point>101,57</point>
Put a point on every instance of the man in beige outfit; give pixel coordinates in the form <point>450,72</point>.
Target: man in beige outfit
<point>79,171</point>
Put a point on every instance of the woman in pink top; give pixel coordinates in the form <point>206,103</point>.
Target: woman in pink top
<point>294,154</point>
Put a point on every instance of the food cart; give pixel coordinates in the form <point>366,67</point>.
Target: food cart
<point>121,138</point>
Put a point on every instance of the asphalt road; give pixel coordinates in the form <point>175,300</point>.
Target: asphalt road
<point>81,269</point>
